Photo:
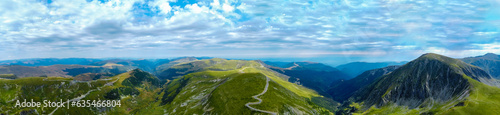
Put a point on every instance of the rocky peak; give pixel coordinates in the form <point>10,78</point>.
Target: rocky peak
<point>429,79</point>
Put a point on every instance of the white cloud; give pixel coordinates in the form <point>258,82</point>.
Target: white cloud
<point>163,6</point>
<point>353,26</point>
<point>227,8</point>
<point>485,33</point>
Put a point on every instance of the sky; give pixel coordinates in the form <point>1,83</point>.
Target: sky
<point>332,31</point>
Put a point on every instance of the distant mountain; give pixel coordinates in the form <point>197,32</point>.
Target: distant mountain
<point>50,61</point>
<point>162,67</point>
<point>356,68</point>
<point>92,76</point>
<point>341,91</point>
<point>138,77</point>
<point>143,64</point>
<point>313,75</point>
<point>182,67</point>
<point>430,84</point>
<point>279,64</point>
<point>59,70</point>
<point>67,67</point>
<point>489,62</point>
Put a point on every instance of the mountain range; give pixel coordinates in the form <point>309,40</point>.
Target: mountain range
<point>72,67</point>
<point>489,62</point>
<point>343,89</point>
<point>354,69</point>
<point>429,84</point>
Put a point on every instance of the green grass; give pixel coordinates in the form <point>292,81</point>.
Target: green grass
<point>232,66</point>
<point>144,101</point>
<point>230,98</point>
<point>39,89</point>
<point>184,95</point>
<point>8,76</point>
<point>138,98</point>
<point>483,100</point>
<point>279,99</point>
<point>390,110</point>
<point>297,89</point>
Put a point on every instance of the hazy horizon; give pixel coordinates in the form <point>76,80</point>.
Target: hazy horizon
<point>332,61</point>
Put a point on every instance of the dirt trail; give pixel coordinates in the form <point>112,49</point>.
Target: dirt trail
<point>294,66</point>
<point>260,100</point>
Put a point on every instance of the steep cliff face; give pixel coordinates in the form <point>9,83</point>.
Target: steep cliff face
<point>430,79</point>
<point>342,90</point>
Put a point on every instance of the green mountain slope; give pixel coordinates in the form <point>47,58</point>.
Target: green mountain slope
<point>221,86</point>
<point>430,84</point>
<point>136,90</point>
<point>39,89</point>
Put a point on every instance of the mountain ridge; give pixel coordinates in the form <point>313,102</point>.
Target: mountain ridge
<point>341,91</point>
<point>354,69</point>
<point>430,84</point>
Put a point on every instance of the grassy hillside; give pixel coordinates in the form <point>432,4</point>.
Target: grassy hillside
<point>136,89</point>
<point>221,86</point>
<point>39,89</point>
<point>483,100</point>
<point>8,76</point>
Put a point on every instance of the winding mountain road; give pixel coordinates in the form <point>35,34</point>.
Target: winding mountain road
<point>257,97</point>
<point>294,66</point>
<point>241,70</point>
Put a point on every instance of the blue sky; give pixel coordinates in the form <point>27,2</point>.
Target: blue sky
<point>340,30</point>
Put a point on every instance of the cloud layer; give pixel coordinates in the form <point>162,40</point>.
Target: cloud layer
<point>247,28</point>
